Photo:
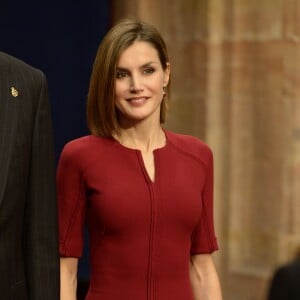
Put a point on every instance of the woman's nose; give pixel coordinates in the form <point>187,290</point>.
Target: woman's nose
<point>136,84</point>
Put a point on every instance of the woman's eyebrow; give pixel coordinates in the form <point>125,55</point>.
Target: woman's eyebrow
<point>122,69</point>
<point>141,67</point>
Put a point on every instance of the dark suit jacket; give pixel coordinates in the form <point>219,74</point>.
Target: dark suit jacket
<point>285,284</point>
<point>29,262</point>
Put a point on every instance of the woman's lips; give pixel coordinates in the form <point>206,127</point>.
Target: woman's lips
<point>137,100</point>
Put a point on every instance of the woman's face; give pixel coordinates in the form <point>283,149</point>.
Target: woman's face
<point>140,79</point>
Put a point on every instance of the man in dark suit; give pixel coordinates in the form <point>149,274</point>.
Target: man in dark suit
<point>29,262</point>
<point>285,284</point>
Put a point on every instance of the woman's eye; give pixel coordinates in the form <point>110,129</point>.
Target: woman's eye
<point>149,71</point>
<point>121,74</point>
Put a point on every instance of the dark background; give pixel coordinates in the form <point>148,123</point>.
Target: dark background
<point>60,38</point>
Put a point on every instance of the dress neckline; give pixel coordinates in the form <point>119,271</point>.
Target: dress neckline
<point>116,142</point>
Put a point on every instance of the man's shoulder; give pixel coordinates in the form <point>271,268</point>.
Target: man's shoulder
<point>292,267</point>
<point>9,62</point>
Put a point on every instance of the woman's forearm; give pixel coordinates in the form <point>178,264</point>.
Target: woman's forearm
<point>68,278</point>
<point>204,278</point>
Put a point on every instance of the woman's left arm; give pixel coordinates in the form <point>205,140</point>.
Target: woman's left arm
<point>204,278</point>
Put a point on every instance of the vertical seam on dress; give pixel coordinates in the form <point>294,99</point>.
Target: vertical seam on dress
<point>74,214</point>
<point>151,225</point>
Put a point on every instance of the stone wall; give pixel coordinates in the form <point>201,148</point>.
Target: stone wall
<point>236,84</point>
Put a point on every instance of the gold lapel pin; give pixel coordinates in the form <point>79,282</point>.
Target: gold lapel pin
<point>14,92</point>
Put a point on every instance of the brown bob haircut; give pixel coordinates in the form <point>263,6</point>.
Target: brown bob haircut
<point>101,111</point>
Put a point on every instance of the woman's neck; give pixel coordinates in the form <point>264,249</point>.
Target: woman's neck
<point>144,138</point>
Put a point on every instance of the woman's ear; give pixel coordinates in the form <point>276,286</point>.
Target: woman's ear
<point>167,74</point>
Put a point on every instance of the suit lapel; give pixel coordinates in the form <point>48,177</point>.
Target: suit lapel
<point>8,124</point>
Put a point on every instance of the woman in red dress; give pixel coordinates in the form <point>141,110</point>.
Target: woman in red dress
<point>145,193</point>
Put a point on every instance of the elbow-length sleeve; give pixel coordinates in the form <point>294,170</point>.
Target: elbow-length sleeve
<point>203,237</point>
<point>71,203</point>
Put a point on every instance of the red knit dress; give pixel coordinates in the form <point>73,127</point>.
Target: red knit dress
<point>142,233</point>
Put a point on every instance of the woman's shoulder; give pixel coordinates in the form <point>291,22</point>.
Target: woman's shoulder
<point>84,145</point>
<point>84,151</point>
<point>77,143</point>
<point>190,145</point>
<point>189,142</point>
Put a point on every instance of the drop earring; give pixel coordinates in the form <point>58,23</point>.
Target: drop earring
<point>164,91</point>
